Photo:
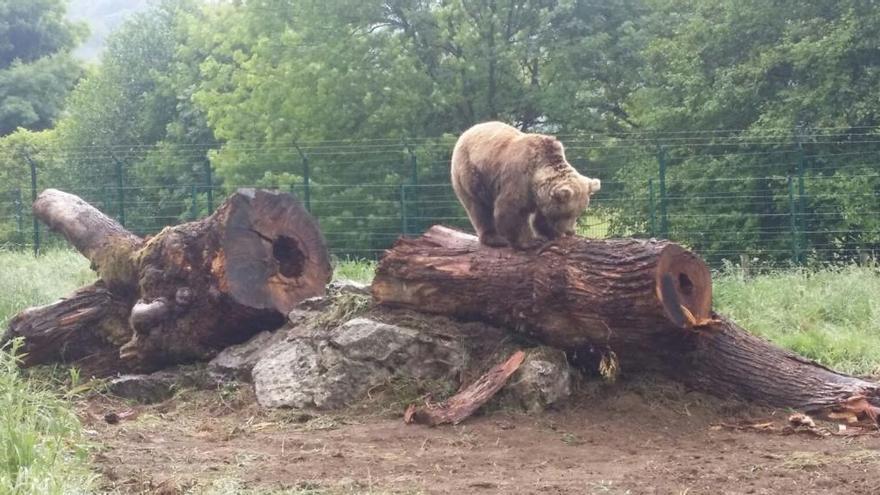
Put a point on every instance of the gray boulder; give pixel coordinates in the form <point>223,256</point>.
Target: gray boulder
<point>237,361</point>
<point>543,379</point>
<point>331,370</point>
<point>161,385</point>
<point>146,389</point>
<point>342,286</point>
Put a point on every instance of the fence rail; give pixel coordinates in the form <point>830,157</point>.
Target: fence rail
<point>758,197</point>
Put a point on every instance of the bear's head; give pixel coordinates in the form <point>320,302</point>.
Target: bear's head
<point>562,198</point>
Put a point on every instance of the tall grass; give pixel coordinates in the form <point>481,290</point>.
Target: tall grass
<point>354,270</point>
<point>26,280</point>
<point>41,444</point>
<point>831,315</point>
<point>40,437</point>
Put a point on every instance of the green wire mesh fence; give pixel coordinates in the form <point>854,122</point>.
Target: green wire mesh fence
<point>729,196</point>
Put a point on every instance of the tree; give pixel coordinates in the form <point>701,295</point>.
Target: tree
<point>132,122</point>
<point>749,94</point>
<point>283,79</point>
<point>36,68</point>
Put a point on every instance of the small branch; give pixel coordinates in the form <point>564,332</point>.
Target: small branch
<point>460,406</point>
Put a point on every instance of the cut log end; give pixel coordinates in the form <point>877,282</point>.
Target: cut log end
<point>684,287</point>
<point>273,252</point>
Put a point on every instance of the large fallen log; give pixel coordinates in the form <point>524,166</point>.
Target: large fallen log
<point>181,295</point>
<point>647,301</point>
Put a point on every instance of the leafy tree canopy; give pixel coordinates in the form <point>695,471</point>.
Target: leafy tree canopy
<point>36,68</point>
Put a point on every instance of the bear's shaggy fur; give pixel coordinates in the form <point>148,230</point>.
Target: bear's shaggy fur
<point>518,188</point>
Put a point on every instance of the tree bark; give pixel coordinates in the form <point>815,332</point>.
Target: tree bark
<point>86,327</point>
<point>647,301</point>
<point>185,293</point>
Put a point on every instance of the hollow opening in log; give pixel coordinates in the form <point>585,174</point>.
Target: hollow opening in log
<point>291,259</point>
<point>684,285</point>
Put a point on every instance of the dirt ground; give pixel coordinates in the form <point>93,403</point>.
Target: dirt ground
<point>638,437</point>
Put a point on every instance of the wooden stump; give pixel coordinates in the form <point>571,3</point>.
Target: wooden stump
<point>647,301</point>
<point>186,293</point>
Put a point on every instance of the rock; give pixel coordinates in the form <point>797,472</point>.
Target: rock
<point>146,389</point>
<point>337,368</point>
<point>286,374</point>
<point>365,339</point>
<point>304,374</point>
<point>342,286</point>
<point>316,303</point>
<point>543,379</point>
<point>237,361</point>
<point>159,386</point>
<point>413,353</point>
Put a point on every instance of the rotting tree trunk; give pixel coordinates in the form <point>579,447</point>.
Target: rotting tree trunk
<point>648,301</point>
<point>185,293</point>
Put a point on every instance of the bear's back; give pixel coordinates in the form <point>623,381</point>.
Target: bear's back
<point>490,145</point>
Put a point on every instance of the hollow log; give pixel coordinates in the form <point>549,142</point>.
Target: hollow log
<point>187,292</point>
<point>647,301</point>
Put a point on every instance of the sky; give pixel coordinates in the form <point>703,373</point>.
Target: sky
<point>102,16</point>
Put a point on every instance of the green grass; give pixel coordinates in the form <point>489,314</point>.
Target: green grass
<point>40,436</point>
<point>41,443</point>
<point>355,270</point>
<point>29,281</point>
<point>831,315</point>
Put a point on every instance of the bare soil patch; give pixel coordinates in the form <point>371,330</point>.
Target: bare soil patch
<point>641,436</point>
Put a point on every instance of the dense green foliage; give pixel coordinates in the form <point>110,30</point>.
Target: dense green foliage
<point>36,68</point>
<point>363,99</point>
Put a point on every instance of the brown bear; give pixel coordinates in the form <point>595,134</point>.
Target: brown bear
<point>518,188</point>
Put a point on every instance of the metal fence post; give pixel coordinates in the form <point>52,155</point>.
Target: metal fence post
<point>307,193</point>
<point>33,166</point>
<point>653,216</point>
<point>120,185</point>
<point>664,218</point>
<point>193,206</point>
<point>19,215</point>
<point>209,183</point>
<point>801,203</point>
<point>792,208</point>
<point>414,166</point>
<point>404,222</point>
<point>414,180</point>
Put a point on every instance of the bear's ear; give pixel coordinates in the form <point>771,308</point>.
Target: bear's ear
<point>562,193</point>
<point>594,184</point>
<point>551,145</point>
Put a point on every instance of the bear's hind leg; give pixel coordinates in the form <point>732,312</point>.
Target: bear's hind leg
<point>482,219</point>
